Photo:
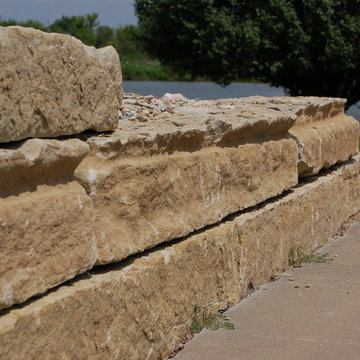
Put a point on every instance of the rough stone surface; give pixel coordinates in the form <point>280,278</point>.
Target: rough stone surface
<point>141,308</point>
<point>190,125</point>
<point>325,135</point>
<point>47,238</point>
<point>25,165</point>
<point>146,200</point>
<point>175,165</point>
<point>137,311</point>
<point>53,84</point>
<point>46,218</point>
<point>326,142</point>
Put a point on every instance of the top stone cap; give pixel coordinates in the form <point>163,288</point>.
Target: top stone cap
<point>53,85</point>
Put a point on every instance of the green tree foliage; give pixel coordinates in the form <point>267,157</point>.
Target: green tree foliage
<point>82,27</point>
<point>104,36</point>
<point>310,47</point>
<point>128,42</point>
<point>30,23</point>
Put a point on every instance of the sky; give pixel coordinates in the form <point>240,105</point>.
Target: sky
<point>111,12</point>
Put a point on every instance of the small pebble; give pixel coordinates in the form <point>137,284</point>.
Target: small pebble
<point>162,107</point>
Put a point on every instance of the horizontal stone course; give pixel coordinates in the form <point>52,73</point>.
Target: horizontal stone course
<point>141,309</point>
<point>53,84</point>
<point>141,203</point>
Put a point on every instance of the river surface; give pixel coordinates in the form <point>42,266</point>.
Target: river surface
<point>208,90</point>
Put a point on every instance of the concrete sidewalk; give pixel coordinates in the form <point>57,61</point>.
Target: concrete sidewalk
<point>312,312</point>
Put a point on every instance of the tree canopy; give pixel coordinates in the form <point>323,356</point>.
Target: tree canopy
<point>310,47</point>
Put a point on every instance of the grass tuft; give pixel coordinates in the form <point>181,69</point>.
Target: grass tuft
<point>298,256</point>
<point>204,318</point>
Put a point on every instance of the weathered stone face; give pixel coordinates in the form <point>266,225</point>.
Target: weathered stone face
<point>140,203</point>
<point>49,238</point>
<point>38,161</point>
<point>46,218</point>
<point>158,182</point>
<point>142,309</point>
<point>52,85</point>
<point>190,168</point>
<point>325,142</point>
<point>324,134</point>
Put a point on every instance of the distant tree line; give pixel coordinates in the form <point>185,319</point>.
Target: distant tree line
<point>137,64</point>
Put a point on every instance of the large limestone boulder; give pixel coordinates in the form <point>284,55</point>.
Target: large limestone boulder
<point>46,218</point>
<point>155,181</point>
<point>53,84</point>
<point>141,309</point>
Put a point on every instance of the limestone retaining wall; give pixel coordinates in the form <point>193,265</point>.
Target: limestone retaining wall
<point>141,308</point>
<point>108,240</point>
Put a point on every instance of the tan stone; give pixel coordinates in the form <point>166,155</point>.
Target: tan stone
<point>52,84</point>
<point>135,312</point>
<point>324,134</point>
<point>141,308</point>
<point>156,182</point>
<point>142,202</point>
<point>178,172</point>
<point>36,161</point>
<point>46,218</point>
<point>325,142</point>
<point>47,238</point>
<point>195,124</point>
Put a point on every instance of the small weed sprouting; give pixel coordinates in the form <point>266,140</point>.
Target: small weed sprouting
<point>297,256</point>
<point>203,318</point>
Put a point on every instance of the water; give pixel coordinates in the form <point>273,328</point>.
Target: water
<point>208,90</point>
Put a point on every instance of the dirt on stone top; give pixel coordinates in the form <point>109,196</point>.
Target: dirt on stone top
<point>139,109</point>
